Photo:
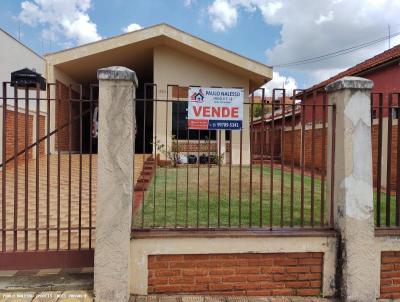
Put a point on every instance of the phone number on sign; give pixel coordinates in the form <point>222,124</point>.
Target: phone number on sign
<point>224,125</point>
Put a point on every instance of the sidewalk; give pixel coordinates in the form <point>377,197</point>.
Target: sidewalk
<point>87,296</point>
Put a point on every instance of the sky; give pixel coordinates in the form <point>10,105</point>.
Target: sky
<point>273,32</point>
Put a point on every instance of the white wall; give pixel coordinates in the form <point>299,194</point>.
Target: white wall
<point>14,56</point>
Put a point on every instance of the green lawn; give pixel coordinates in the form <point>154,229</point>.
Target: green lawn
<point>182,203</point>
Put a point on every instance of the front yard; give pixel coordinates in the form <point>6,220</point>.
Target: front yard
<point>178,197</point>
<point>188,197</point>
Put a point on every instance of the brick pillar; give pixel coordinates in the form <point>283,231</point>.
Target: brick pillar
<point>358,259</point>
<point>114,189</point>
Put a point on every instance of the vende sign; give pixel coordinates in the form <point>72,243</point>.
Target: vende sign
<point>215,108</point>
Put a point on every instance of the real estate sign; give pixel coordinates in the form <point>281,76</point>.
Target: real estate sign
<point>215,108</point>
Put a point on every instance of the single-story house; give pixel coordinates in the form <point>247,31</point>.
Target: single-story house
<point>162,55</point>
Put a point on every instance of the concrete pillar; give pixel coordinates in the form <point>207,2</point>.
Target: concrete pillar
<point>114,183</point>
<point>358,259</point>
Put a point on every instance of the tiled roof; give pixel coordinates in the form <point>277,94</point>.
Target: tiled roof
<point>377,60</point>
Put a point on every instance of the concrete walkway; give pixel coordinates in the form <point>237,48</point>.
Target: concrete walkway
<point>87,296</point>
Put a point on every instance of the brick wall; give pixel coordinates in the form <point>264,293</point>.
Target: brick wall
<point>62,117</point>
<point>10,133</point>
<point>237,274</point>
<point>319,164</point>
<point>390,275</point>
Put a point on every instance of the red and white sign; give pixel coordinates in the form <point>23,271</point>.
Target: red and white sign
<point>215,108</point>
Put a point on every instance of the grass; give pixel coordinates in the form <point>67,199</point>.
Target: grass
<point>188,197</point>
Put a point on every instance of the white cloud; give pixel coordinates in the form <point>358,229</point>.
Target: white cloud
<point>188,3</point>
<point>279,81</point>
<point>310,28</point>
<point>223,15</point>
<point>61,18</point>
<point>131,27</point>
<point>324,18</point>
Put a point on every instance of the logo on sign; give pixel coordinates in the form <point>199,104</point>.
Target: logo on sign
<point>198,96</point>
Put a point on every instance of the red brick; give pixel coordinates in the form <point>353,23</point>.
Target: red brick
<point>316,284</point>
<point>285,277</point>
<point>166,289</point>
<point>310,261</point>
<point>157,281</point>
<point>308,292</point>
<point>273,269</point>
<point>255,278</point>
<point>309,276</point>
<point>282,292</point>
<point>390,289</point>
<point>298,269</point>
<point>169,257</point>
<point>196,257</point>
<point>297,284</point>
<point>181,280</point>
<point>222,287</point>
<point>194,272</point>
<point>167,273</point>
<point>284,262</point>
<point>391,260</point>
<point>299,255</point>
<point>208,279</point>
<point>221,272</point>
<point>239,278</point>
<point>248,270</point>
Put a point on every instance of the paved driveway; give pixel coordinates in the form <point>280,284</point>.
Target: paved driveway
<point>40,218</point>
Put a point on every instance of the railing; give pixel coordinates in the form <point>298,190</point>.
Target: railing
<point>239,185</point>
<point>47,167</point>
<point>385,109</point>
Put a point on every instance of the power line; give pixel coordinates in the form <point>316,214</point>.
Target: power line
<point>336,53</point>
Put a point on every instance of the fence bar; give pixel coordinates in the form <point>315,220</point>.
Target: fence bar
<point>15,166</point>
<point>313,160</point>
<point>37,160</point>
<point>219,178</point>
<point>26,167</point>
<point>272,136</point>
<point>379,161</point>
<point>80,168</point>
<point>282,154</point>
<point>240,173</point>
<point>398,163</point>
<point>332,191</point>
<point>90,164</point>
<point>323,156</point>
<point>292,160</point>
<point>302,155</point>
<point>58,165</point>
<point>4,170</point>
<point>69,165</point>
<point>251,162</point>
<point>262,154</point>
<point>47,167</point>
<point>389,161</point>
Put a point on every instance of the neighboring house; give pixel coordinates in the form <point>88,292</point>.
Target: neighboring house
<point>162,55</point>
<point>383,69</point>
<point>16,56</point>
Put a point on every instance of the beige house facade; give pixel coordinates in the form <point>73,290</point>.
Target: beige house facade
<point>165,56</point>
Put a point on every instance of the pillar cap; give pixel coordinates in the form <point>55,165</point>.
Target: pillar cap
<point>117,73</point>
<point>350,83</point>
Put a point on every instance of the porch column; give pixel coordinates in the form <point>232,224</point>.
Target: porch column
<point>114,183</point>
<point>358,258</point>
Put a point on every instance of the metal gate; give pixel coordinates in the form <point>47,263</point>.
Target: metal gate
<point>47,174</point>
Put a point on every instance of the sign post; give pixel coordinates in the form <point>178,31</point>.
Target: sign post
<point>215,108</point>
